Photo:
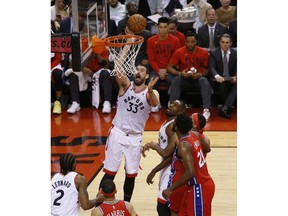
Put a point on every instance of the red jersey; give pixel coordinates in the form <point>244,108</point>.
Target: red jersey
<point>160,51</point>
<point>197,199</point>
<point>200,166</point>
<point>181,38</point>
<point>177,170</point>
<point>119,207</point>
<point>56,59</point>
<point>185,59</point>
<point>94,65</point>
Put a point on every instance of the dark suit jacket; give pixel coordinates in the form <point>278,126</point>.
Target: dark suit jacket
<point>233,32</point>
<point>122,24</point>
<point>203,35</point>
<point>216,62</point>
<point>112,29</point>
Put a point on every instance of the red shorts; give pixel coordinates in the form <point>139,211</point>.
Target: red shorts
<point>176,198</point>
<point>197,200</point>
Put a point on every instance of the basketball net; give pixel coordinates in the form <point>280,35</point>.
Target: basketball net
<point>123,49</point>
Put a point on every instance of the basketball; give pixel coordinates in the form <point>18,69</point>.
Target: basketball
<point>137,23</point>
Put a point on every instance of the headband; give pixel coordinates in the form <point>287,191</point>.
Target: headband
<point>109,194</point>
<point>195,120</point>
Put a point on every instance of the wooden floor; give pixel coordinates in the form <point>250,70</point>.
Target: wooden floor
<point>92,127</point>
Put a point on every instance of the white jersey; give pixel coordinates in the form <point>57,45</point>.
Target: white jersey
<point>165,172</point>
<point>132,111</point>
<point>162,136</point>
<point>64,195</point>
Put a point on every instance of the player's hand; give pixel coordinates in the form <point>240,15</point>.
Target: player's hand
<point>99,198</point>
<point>152,82</point>
<point>153,145</point>
<point>146,147</point>
<point>128,31</point>
<point>150,177</point>
<point>166,193</point>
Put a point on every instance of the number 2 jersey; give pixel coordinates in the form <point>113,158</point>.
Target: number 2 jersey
<point>64,195</point>
<point>132,111</point>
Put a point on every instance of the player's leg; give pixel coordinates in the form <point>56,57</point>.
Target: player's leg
<point>162,207</point>
<point>208,190</point>
<point>113,155</point>
<point>132,153</point>
<point>128,187</point>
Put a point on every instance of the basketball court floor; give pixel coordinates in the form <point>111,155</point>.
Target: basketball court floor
<point>84,134</point>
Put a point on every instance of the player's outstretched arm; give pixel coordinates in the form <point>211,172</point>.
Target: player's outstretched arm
<point>82,185</point>
<point>206,145</point>
<point>184,152</point>
<point>153,95</point>
<point>156,169</point>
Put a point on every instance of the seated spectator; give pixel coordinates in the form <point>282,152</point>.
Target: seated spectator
<point>112,30</point>
<point>148,7</point>
<point>131,8</point>
<point>201,6</point>
<point>117,11</point>
<point>57,81</point>
<point>187,79</point>
<point>224,73</point>
<point>226,13</point>
<point>172,29</point>
<point>160,49</point>
<point>79,82</point>
<point>59,11</point>
<point>169,6</point>
<point>210,33</point>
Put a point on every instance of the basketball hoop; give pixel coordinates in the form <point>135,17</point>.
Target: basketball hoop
<point>124,49</point>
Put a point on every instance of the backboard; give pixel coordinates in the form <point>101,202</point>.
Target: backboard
<point>90,17</point>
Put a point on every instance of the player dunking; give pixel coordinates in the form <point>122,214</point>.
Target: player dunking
<point>167,139</point>
<point>135,100</point>
<point>69,190</point>
<point>189,166</point>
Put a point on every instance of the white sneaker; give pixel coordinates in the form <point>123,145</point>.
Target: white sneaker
<point>156,109</point>
<point>106,107</point>
<point>75,107</point>
<point>206,114</point>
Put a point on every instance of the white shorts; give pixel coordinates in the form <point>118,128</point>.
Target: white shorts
<point>163,182</point>
<point>119,144</point>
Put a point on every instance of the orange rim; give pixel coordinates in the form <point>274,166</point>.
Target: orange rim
<point>110,40</point>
